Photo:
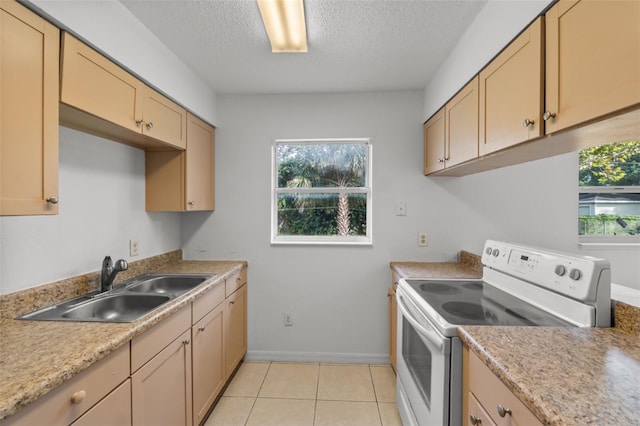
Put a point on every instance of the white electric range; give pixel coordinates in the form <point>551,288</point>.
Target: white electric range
<point>521,286</point>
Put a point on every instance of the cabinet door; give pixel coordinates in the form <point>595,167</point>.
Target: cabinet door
<point>434,143</point>
<point>200,165</point>
<point>113,410</point>
<point>29,57</point>
<point>235,324</point>
<point>94,84</point>
<point>393,312</point>
<point>208,365</point>
<point>163,119</point>
<point>511,93</point>
<point>461,117</point>
<point>592,60</point>
<point>161,389</point>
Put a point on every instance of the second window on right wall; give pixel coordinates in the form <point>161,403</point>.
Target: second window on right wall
<point>609,193</point>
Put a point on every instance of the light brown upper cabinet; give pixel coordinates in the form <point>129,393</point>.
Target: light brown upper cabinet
<point>103,95</point>
<point>592,60</point>
<point>461,118</point>
<point>434,143</point>
<point>183,181</point>
<point>511,91</point>
<point>29,58</point>
<point>451,135</point>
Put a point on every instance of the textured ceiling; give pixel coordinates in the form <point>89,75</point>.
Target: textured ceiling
<point>354,45</point>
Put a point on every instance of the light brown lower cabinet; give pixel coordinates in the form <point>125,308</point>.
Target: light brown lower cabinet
<point>393,321</point>
<point>208,362</point>
<point>488,401</point>
<point>235,329</point>
<point>161,389</point>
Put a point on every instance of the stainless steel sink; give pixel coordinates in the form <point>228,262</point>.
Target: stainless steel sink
<point>168,284</point>
<point>126,303</point>
<point>120,307</point>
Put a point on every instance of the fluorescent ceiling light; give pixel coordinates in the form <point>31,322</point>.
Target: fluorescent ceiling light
<point>284,22</point>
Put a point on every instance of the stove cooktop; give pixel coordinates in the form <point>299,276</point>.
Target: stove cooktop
<point>474,302</point>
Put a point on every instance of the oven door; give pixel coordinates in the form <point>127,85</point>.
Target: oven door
<point>423,366</point>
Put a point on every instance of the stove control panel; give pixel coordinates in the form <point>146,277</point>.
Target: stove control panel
<point>575,276</point>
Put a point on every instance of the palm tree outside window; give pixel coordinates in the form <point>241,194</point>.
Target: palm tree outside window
<point>321,191</point>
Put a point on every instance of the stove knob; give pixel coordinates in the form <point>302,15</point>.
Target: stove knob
<point>575,274</point>
<point>560,270</point>
<point>495,252</point>
<point>488,250</point>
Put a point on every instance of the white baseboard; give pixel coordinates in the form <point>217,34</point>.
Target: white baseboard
<point>325,357</point>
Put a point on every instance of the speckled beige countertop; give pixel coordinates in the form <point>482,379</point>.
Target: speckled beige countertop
<point>468,266</point>
<point>565,376</point>
<point>38,356</point>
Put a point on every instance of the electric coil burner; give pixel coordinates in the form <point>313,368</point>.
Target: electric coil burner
<point>521,286</point>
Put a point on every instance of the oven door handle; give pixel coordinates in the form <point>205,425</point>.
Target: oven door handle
<point>429,334</point>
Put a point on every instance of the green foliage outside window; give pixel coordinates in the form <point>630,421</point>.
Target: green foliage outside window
<point>609,178</point>
<point>322,189</point>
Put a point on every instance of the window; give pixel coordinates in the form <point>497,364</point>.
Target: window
<point>609,193</point>
<point>321,191</point>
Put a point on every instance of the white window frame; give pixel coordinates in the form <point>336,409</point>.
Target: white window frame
<point>608,240</point>
<point>314,239</point>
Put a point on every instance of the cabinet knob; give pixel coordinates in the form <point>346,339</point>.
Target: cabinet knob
<point>186,342</point>
<point>232,302</point>
<point>149,125</point>
<point>474,420</point>
<point>192,203</point>
<point>548,115</point>
<point>200,328</point>
<point>503,411</point>
<point>52,200</point>
<point>139,123</point>
<point>526,122</point>
<point>440,160</point>
<point>78,397</point>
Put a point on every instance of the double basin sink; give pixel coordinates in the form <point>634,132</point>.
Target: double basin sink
<point>125,303</point>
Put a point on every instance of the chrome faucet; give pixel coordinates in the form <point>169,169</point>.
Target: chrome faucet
<point>109,272</point>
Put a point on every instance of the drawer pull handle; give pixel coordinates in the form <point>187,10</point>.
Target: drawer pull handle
<point>474,420</point>
<point>503,411</point>
<point>78,397</point>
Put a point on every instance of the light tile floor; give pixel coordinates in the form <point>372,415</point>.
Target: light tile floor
<point>308,394</point>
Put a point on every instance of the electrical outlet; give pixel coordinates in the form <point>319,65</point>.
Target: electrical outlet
<point>422,239</point>
<point>288,319</point>
<point>134,249</point>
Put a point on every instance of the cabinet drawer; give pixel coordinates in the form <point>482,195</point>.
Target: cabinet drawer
<point>477,414</point>
<point>206,303</point>
<point>87,388</point>
<point>235,281</point>
<point>490,391</point>
<point>147,345</point>
<point>114,410</point>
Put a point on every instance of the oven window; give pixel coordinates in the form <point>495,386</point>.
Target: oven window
<point>418,359</point>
